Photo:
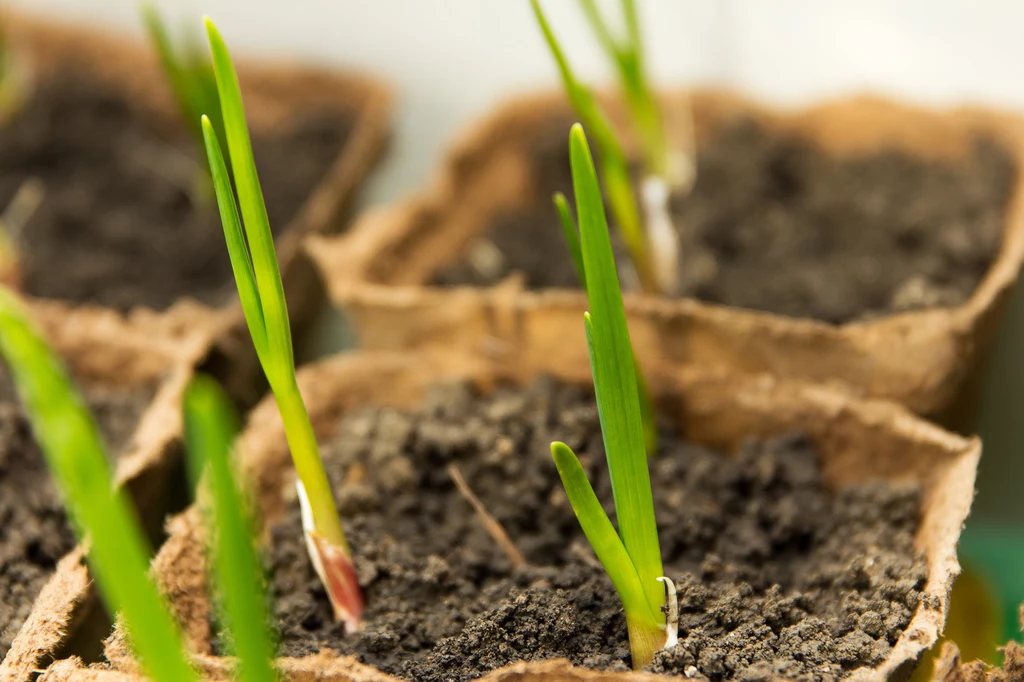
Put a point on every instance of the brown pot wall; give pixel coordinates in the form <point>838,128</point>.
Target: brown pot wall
<point>275,94</point>
<point>858,439</point>
<point>950,666</point>
<point>926,360</point>
<point>101,347</point>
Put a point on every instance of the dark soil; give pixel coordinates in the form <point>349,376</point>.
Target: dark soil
<point>777,225</point>
<point>34,530</point>
<point>119,225</point>
<point>776,573</point>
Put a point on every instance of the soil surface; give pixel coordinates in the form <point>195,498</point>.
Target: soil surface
<point>777,225</point>
<point>34,530</point>
<point>129,217</point>
<point>776,573</point>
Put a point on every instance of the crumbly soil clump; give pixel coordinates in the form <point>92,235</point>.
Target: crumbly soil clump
<point>777,574</point>
<point>129,217</point>
<point>778,225</point>
<point>34,529</point>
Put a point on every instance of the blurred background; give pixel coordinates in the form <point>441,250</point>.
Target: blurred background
<point>451,60</point>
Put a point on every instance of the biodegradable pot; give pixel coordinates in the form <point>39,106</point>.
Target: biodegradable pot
<point>857,440</point>
<point>950,666</point>
<point>276,95</point>
<point>102,348</point>
<point>926,360</point>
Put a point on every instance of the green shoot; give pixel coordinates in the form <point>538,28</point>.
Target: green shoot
<point>632,560</point>
<point>628,57</point>
<point>75,454</point>
<point>648,233</point>
<point>210,428</point>
<point>12,223</point>
<point>190,75</point>
<point>254,263</point>
<point>614,167</point>
<point>572,239</point>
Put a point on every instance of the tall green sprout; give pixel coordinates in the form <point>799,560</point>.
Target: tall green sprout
<point>190,75</point>
<point>632,559</point>
<point>614,166</point>
<point>210,428</point>
<point>644,220</point>
<point>254,263</point>
<point>572,239</point>
<point>628,56</point>
<point>77,457</point>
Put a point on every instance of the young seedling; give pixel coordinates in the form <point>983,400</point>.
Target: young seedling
<point>254,263</point>
<point>572,239</point>
<point>632,560</point>
<point>652,240</point>
<point>74,451</point>
<point>210,429</point>
<point>190,75</point>
<point>12,223</point>
<point>674,167</point>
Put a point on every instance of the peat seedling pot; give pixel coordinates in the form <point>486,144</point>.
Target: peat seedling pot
<point>950,666</point>
<point>890,491</point>
<point>122,224</point>
<point>134,381</point>
<point>860,242</point>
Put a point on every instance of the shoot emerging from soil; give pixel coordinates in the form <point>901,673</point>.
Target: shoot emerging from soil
<point>627,54</point>
<point>632,560</point>
<point>77,458</point>
<point>254,263</point>
<point>210,428</point>
<point>649,234</point>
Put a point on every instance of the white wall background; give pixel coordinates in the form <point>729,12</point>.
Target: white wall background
<point>449,60</point>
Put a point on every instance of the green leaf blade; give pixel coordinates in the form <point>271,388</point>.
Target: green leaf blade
<point>597,23</point>
<point>189,74</point>
<point>254,211</point>
<point>572,236</point>
<point>646,631</point>
<point>238,251</point>
<point>615,377</point>
<point>77,458</point>
<point>614,166</point>
<point>326,541</point>
<point>210,427</point>
<point>173,69</point>
<point>599,530</point>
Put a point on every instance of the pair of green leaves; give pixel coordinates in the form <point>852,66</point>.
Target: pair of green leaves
<point>628,56</point>
<point>614,166</point>
<point>260,289</point>
<point>118,551</point>
<point>572,239</point>
<point>632,560</point>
